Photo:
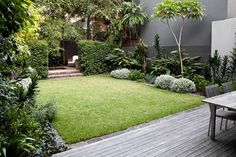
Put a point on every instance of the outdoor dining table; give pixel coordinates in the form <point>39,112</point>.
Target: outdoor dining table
<point>227,100</point>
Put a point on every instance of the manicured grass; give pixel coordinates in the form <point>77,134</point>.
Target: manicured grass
<point>93,106</point>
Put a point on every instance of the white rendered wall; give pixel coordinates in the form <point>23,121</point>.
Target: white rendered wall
<point>231,8</point>
<point>223,36</point>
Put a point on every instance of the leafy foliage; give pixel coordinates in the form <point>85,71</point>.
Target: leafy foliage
<point>220,68</point>
<point>115,31</point>
<point>127,20</point>
<point>141,54</point>
<point>171,65</point>
<point>45,113</point>
<point>30,32</point>
<point>150,78</point>
<point>8,51</point>
<point>92,56</point>
<point>13,15</point>
<point>136,75</point>
<point>118,58</point>
<point>20,147</point>
<point>21,134</point>
<point>133,14</point>
<point>157,45</point>
<point>90,9</point>
<point>26,133</point>
<point>201,83</point>
<point>39,57</point>
<point>232,67</point>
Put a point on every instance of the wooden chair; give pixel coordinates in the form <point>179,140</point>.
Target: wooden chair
<point>227,87</point>
<point>214,90</point>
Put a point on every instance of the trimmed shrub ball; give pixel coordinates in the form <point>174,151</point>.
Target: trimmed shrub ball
<point>183,85</point>
<point>164,81</point>
<point>120,73</point>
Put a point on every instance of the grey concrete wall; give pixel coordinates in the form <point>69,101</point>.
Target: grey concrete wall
<point>196,35</point>
<point>136,1</point>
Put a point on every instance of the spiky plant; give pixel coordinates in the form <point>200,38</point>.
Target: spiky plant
<point>157,45</point>
<point>224,69</point>
<point>233,64</point>
<point>215,63</point>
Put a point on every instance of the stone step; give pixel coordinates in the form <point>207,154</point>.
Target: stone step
<point>64,71</point>
<point>53,76</point>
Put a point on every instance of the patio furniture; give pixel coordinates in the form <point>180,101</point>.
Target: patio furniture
<point>71,62</point>
<point>227,87</point>
<point>227,100</point>
<point>211,91</point>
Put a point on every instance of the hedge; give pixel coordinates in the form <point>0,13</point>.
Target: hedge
<point>39,57</point>
<point>92,56</point>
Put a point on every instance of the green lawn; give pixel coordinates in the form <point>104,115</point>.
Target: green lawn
<point>92,106</point>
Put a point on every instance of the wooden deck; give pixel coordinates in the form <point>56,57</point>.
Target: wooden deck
<point>183,134</point>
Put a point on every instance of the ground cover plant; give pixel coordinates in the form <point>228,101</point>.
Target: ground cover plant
<point>93,106</point>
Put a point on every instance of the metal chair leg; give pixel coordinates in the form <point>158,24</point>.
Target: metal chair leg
<point>209,127</point>
<point>226,123</point>
<point>221,122</point>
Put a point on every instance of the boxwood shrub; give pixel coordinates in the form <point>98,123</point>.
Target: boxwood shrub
<point>39,57</point>
<point>92,56</point>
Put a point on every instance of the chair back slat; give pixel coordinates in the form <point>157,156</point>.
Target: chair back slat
<point>227,87</point>
<point>212,90</point>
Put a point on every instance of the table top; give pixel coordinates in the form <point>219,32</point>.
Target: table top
<point>227,100</point>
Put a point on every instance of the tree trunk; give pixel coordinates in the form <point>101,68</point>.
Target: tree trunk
<point>181,60</point>
<point>178,42</point>
<point>88,28</point>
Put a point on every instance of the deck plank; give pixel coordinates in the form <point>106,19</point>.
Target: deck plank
<point>183,134</point>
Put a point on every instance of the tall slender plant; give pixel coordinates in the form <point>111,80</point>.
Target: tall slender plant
<point>215,63</point>
<point>169,10</point>
<point>233,64</point>
<point>157,45</point>
<point>224,71</point>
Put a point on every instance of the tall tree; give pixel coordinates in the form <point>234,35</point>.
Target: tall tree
<point>169,10</point>
<point>13,14</point>
<point>94,9</point>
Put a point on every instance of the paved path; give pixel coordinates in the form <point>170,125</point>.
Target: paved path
<point>183,134</point>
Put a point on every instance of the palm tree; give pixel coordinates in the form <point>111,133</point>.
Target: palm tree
<point>134,16</point>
